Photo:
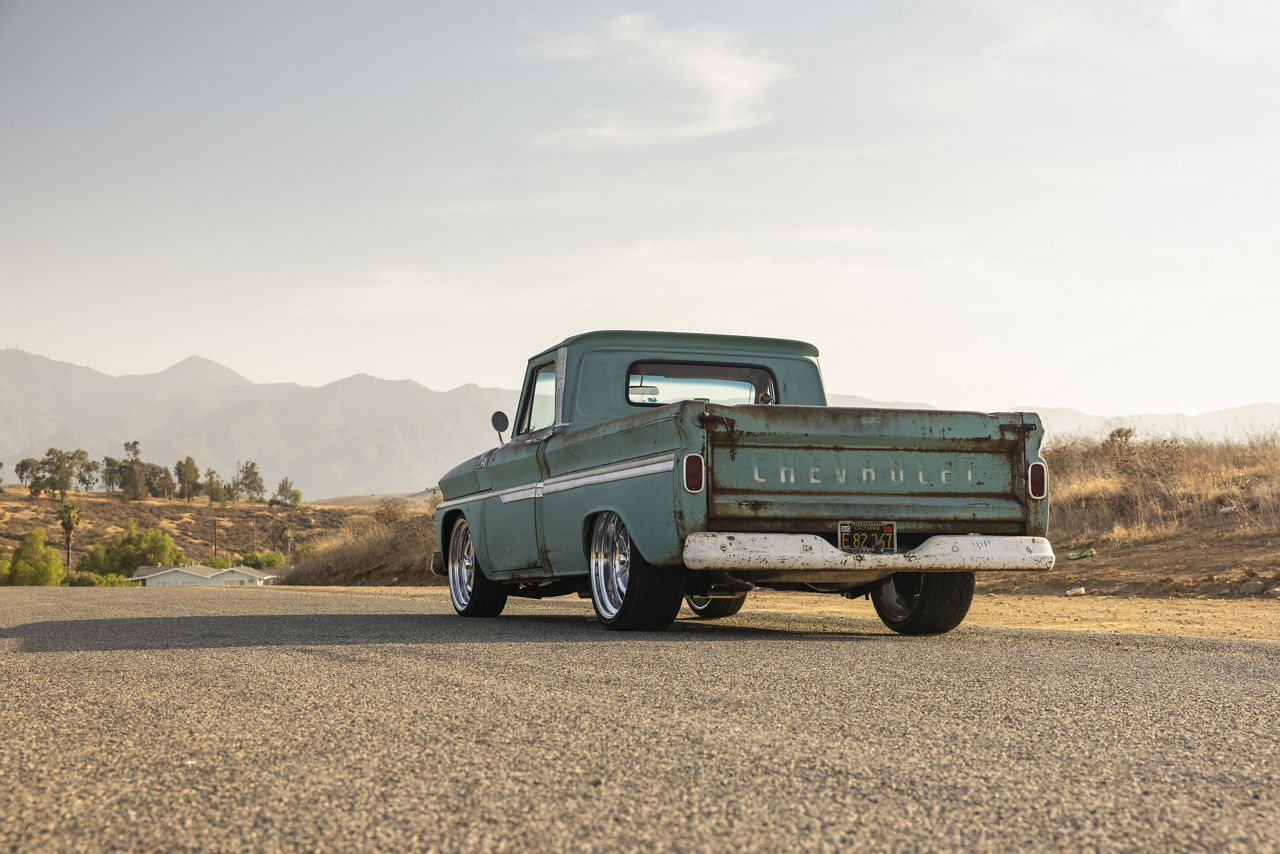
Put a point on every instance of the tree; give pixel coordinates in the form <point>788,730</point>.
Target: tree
<point>188,474</point>
<point>112,474</point>
<point>33,563</point>
<point>58,470</point>
<point>158,480</point>
<point>86,472</point>
<point>133,476</point>
<point>69,518</point>
<point>26,469</point>
<point>131,549</point>
<point>133,483</point>
<point>249,480</point>
<point>29,474</point>
<point>286,494</point>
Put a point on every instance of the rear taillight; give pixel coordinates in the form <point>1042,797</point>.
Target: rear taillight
<point>694,473</point>
<point>1037,480</point>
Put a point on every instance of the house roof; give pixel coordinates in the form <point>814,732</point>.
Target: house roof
<point>198,570</point>
<point>250,571</point>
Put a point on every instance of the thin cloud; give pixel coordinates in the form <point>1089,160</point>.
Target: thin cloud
<point>725,77</point>
<point>1232,31</point>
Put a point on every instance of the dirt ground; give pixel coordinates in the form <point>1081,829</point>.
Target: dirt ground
<point>1252,619</point>
<point>1212,564</point>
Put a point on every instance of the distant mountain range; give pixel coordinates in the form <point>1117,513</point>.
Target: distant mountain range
<point>359,435</point>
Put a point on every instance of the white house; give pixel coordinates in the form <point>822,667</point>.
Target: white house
<point>195,575</point>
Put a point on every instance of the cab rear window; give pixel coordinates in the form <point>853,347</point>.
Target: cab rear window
<point>660,383</point>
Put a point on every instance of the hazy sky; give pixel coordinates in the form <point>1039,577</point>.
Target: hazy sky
<point>974,204</point>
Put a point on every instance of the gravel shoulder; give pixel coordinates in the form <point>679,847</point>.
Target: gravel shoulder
<point>1253,619</point>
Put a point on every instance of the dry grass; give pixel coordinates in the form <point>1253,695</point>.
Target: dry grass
<point>393,546</point>
<point>1128,490</point>
<point>241,528</point>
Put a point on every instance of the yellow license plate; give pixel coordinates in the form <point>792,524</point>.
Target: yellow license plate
<point>868,537</point>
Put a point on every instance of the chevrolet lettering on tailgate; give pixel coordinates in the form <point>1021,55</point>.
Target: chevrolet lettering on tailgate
<point>649,469</point>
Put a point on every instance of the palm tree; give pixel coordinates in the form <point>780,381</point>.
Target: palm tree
<point>69,516</point>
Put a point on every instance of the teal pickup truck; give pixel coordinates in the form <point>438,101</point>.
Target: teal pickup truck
<point>647,469</point>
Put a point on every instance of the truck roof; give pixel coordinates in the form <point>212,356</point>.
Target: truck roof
<point>686,341</point>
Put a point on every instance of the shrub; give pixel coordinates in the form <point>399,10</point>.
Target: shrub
<point>76,578</point>
<point>131,549</point>
<point>113,580</point>
<point>34,564</point>
<point>262,560</point>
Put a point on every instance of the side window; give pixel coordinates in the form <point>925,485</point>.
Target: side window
<point>540,405</point>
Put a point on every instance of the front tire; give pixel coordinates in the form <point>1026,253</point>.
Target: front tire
<point>923,603</point>
<point>472,592</point>
<point>629,594</point>
<point>713,609</point>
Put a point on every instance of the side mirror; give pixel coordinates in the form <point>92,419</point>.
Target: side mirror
<point>500,423</point>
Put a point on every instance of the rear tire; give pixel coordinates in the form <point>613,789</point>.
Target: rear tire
<point>924,603</point>
<point>472,592</point>
<point>713,609</point>
<point>628,593</point>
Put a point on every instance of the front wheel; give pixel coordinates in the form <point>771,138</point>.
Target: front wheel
<point>923,603</point>
<point>713,609</point>
<point>472,592</point>
<point>628,593</point>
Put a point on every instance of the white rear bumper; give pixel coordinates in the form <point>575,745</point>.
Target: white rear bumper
<point>791,553</point>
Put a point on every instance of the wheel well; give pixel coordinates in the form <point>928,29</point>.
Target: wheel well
<point>588,523</point>
<point>446,528</point>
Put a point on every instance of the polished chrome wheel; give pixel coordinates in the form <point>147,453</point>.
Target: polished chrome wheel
<point>462,566</point>
<point>610,565</point>
<point>627,592</point>
<point>472,594</point>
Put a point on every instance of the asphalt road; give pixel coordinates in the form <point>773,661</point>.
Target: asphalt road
<point>292,719</point>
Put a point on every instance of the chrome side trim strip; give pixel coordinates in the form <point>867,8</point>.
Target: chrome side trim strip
<point>457,502</point>
<point>638,468</point>
<point>655,464</point>
<point>520,493</point>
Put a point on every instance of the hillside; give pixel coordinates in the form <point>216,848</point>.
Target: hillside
<point>241,528</point>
